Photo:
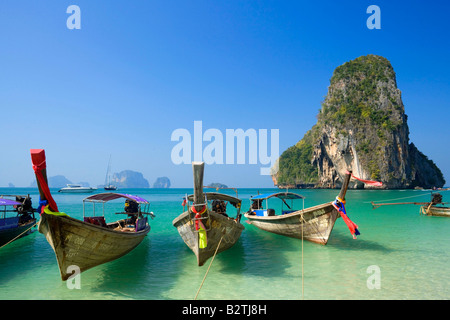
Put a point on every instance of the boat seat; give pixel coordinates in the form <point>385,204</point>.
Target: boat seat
<point>98,221</point>
<point>141,224</point>
<point>260,212</point>
<point>264,213</point>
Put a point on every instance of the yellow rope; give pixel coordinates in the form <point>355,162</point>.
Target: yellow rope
<point>303,288</point>
<point>204,278</point>
<point>385,201</point>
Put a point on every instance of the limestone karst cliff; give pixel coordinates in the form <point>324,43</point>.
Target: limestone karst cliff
<point>129,179</point>
<point>362,126</point>
<point>162,182</point>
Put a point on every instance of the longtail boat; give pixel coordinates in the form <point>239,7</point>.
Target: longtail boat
<point>16,217</point>
<point>91,242</point>
<point>206,227</point>
<point>435,207</point>
<point>312,224</point>
<point>439,211</point>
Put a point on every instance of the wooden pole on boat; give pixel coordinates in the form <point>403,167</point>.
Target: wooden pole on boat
<point>376,205</point>
<point>199,198</point>
<point>40,169</point>
<point>37,158</point>
<point>341,196</point>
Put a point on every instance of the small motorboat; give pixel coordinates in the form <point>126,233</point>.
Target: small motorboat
<point>77,188</point>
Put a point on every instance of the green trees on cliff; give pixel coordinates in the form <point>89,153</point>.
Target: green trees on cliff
<point>364,105</point>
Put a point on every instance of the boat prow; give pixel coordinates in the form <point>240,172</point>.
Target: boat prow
<point>206,227</point>
<point>226,231</point>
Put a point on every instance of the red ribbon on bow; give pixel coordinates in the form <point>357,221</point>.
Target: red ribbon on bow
<point>39,164</point>
<point>373,183</point>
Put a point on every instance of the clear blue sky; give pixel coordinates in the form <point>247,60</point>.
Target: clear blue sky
<point>138,70</point>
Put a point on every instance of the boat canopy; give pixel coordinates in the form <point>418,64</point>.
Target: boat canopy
<point>280,195</point>
<point>218,196</point>
<point>108,196</point>
<point>8,202</point>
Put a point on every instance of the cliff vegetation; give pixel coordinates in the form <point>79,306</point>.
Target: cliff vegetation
<point>361,126</point>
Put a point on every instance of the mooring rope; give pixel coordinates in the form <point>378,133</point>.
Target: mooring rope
<point>303,287</point>
<point>386,201</point>
<point>18,235</point>
<point>204,278</point>
<point>418,195</point>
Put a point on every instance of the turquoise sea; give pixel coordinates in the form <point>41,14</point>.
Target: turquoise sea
<point>409,251</point>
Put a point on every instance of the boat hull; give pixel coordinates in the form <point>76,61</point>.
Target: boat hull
<point>85,245</point>
<point>316,225</point>
<point>7,235</point>
<point>436,211</point>
<point>219,226</point>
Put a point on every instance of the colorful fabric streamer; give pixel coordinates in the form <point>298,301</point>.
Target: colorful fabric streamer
<point>373,183</point>
<point>39,164</point>
<point>200,227</point>
<point>340,207</point>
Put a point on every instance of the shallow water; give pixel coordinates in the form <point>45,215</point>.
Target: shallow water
<point>411,252</point>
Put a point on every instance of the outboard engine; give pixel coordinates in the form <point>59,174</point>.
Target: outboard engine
<point>131,206</point>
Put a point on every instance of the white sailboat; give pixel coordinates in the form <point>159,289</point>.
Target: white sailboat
<point>108,184</point>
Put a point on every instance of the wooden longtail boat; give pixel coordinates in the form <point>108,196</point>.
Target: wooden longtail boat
<point>432,208</point>
<point>435,211</point>
<point>313,224</point>
<point>16,219</point>
<point>89,243</point>
<point>205,227</point>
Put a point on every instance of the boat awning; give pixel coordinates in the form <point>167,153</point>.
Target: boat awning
<point>8,202</point>
<point>218,196</point>
<point>280,195</point>
<point>108,196</point>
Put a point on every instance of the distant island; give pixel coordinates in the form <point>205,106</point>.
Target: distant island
<point>362,126</point>
<point>129,179</point>
<point>217,185</point>
<point>123,179</point>
<point>58,181</point>
<point>162,182</point>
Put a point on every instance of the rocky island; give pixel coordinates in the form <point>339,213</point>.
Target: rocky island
<point>362,126</point>
<point>129,179</point>
<point>162,182</point>
<point>58,181</point>
<point>217,185</point>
